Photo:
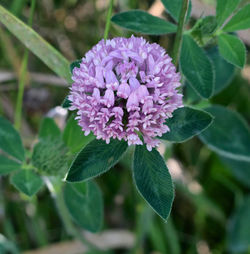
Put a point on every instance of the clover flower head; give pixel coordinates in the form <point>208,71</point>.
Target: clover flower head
<point>125,88</point>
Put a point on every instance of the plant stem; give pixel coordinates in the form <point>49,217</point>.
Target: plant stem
<point>23,70</point>
<point>108,20</point>
<point>178,38</point>
<point>54,186</point>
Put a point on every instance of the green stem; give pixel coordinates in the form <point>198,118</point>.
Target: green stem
<point>19,104</point>
<point>55,188</point>
<point>108,20</point>
<point>180,29</point>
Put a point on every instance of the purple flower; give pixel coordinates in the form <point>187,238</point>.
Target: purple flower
<point>126,89</point>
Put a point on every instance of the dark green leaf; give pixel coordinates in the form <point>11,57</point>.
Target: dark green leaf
<point>48,129</point>
<point>174,8</point>
<point>232,49</point>
<point>228,135</point>
<point>186,123</point>
<point>143,22</point>
<point>239,228</point>
<point>34,42</point>
<point>73,136</point>
<point>27,182</point>
<point>239,169</point>
<point>10,141</point>
<point>197,67</point>
<point>95,159</point>
<point>86,210</point>
<point>153,180</point>
<point>224,9</point>
<point>66,102</point>
<point>81,188</point>
<point>224,71</point>
<point>7,165</point>
<point>240,21</point>
<point>75,64</point>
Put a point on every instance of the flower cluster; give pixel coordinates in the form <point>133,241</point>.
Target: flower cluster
<point>125,88</point>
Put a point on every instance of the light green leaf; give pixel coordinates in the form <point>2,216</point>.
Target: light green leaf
<point>240,21</point>
<point>186,123</point>
<point>7,165</point>
<point>73,136</point>
<point>48,129</point>
<point>86,210</point>
<point>10,141</point>
<point>35,43</point>
<point>27,182</point>
<point>224,71</point>
<point>228,135</point>
<point>153,180</point>
<point>143,22</point>
<point>232,49</point>
<point>239,169</point>
<point>197,67</point>
<point>224,9</point>
<point>95,159</point>
<point>239,228</point>
<point>174,8</point>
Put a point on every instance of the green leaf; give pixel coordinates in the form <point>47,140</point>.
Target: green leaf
<point>186,123</point>
<point>232,49</point>
<point>95,159</point>
<point>239,169</point>
<point>75,64</point>
<point>224,9</point>
<point>153,180</point>
<point>48,129</point>
<point>7,165</point>
<point>50,157</point>
<point>240,21</point>
<point>228,135</point>
<point>143,22</point>
<point>196,67</point>
<point>73,136</point>
<point>66,102</point>
<point>35,43</point>
<point>10,141</point>
<point>174,8</point>
<point>86,210</point>
<point>239,228</point>
<point>27,182</point>
<point>224,71</point>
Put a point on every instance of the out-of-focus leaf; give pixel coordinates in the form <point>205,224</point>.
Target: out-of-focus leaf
<point>239,169</point>
<point>10,141</point>
<point>232,49</point>
<point>74,137</point>
<point>240,21</point>
<point>239,228</point>
<point>49,129</point>
<point>95,159</point>
<point>153,180</point>
<point>174,8</point>
<point>143,22</point>
<point>196,67</point>
<point>7,247</point>
<point>224,71</point>
<point>7,165</point>
<point>224,9</point>
<point>186,123</point>
<point>34,42</point>
<point>27,182</point>
<point>86,210</point>
<point>228,135</point>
